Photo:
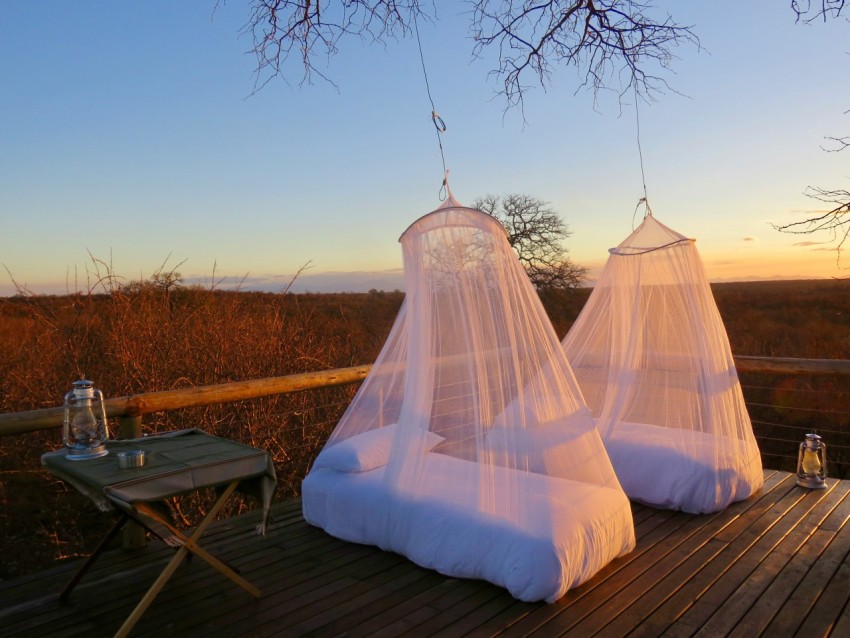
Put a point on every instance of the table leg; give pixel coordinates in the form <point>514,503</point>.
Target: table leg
<point>93,557</point>
<point>189,545</point>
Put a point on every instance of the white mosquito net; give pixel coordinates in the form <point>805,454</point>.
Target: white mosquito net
<point>653,360</point>
<point>469,444</point>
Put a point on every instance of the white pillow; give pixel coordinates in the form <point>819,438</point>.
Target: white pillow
<point>367,450</point>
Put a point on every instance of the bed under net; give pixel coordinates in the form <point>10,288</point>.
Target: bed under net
<point>469,448</point>
<point>651,355</point>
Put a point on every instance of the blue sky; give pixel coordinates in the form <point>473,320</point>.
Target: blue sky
<point>130,134</point>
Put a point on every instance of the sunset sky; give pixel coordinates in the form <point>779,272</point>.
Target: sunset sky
<point>131,135</point>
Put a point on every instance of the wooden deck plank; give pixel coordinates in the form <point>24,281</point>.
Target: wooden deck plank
<point>671,594</point>
<point>194,583</point>
<point>842,625</point>
<point>666,577</point>
<point>776,564</point>
<point>745,554</point>
<point>782,571</point>
<point>508,616</point>
<point>701,529</point>
<point>456,593</point>
<point>834,597</point>
<point>609,576</point>
<point>103,571</point>
<point>228,608</point>
<point>641,512</point>
<point>475,623</point>
<point>697,535</point>
<point>409,614</point>
<point>142,573</point>
<point>732,539</point>
<point>758,570</point>
<point>382,611</point>
<point>483,594</point>
<point>287,587</point>
<point>364,593</point>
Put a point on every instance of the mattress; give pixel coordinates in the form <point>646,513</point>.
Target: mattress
<point>681,469</point>
<point>567,530</point>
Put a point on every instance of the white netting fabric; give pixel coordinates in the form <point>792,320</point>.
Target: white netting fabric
<point>651,355</point>
<point>471,411</point>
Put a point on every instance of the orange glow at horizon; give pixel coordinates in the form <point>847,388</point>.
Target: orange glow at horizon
<point>794,263</point>
<point>763,265</point>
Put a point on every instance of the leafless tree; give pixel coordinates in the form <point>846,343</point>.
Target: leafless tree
<point>616,44</point>
<point>165,279</point>
<point>835,221</point>
<point>536,232</point>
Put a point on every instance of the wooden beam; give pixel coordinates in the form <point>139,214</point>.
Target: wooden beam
<point>777,365</point>
<point>147,402</point>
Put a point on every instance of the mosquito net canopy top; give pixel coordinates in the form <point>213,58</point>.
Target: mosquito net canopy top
<point>653,360</point>
<point>469,448</point>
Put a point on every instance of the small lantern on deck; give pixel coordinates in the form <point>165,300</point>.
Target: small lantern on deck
<point>84,432</point>
<point>811,463</point>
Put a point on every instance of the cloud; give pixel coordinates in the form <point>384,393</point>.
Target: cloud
<point>736,278</point>
<point>359,281</point>
<point>825,247</point>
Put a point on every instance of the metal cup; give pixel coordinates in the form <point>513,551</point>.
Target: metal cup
<point>131,459</point>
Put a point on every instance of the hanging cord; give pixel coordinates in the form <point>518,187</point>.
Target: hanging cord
<point>439,124</point>
<point>645,199</point>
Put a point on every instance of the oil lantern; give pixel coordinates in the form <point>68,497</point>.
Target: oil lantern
<point>811,463</point>
<point>84,429</point>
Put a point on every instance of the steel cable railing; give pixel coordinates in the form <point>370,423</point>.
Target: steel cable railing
<point>782,413</point>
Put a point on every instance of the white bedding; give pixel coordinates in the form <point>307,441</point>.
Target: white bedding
<point>570,532</point>
<point>681,469</point>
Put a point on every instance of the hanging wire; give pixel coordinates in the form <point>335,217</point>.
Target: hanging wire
<point>439,124</point>
<point>645,199</point>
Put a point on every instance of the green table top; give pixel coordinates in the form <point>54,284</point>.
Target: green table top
<point>175,463</point>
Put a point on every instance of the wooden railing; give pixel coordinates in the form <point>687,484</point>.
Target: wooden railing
<point>776,365</point>
<point>130,409</point>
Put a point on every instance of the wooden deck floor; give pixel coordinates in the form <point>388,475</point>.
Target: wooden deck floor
<point>775,565</point>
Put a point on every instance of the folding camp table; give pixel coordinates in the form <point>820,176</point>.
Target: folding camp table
<point>175,463</point>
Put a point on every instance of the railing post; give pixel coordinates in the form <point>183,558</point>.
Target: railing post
<point>129,427</point>
<point>133,535</point>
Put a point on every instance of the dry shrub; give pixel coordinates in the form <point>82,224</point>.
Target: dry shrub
<point>145,337</point>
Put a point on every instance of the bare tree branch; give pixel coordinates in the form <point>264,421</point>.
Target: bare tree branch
<point>835,222</point>
<point>611,43</point>
<point>300,31</point>
<point>841,142</point>
<point>304,268</point>
<point>811,10</point>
